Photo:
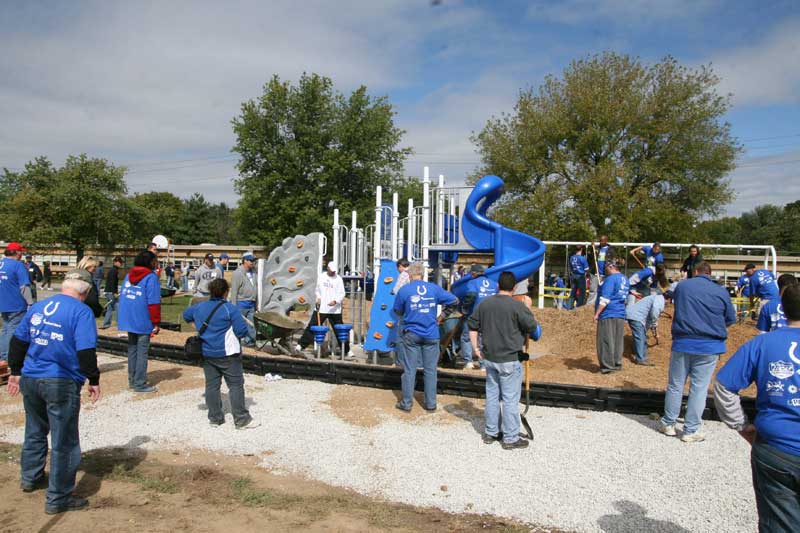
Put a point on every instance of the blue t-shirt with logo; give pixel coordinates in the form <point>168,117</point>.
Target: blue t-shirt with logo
<point>601,259</point>
<point>134,316</point>
<point>651,259</point>
<point>57,329</point>
<point>13,275</point>
<point>482,287</point>
<point>772,361</point>
<point>744,281</point>
<point>417,303</point>
<point>763,285</point>
<point>615,289</point>
<point>578,264</point>
<point>771,316</point>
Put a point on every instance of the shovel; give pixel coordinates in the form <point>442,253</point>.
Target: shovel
<point>524,420</point>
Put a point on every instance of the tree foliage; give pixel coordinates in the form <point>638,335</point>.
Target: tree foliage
<point>613,146</point>
<point>766,224</point>
<point>306,149</point>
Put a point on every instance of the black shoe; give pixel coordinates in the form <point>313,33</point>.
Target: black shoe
<point>430,409</point>
<point>399,405</point>
<point>489,439</point>
<point>519,443</point>
<point>644,363</point>
<point>73,504</point>
<point>40,483</point>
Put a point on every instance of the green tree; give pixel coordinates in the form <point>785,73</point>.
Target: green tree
<point>81,204</point>
<point>306,149</point>
<point>791,228</point>
<point>199,222</point>
<point>614,146</point>
<point>726,230</point>
<point>160,213</point>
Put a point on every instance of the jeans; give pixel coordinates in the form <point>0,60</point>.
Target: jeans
<point>639,340</point>
<point>248,314</point>
<point>776,482</point>
<point>503,384</point>
<point>110,306</point>
<point>699,368</point>
<point>418,350</point>
<point>138,346</point>
<point>185,283</point>
<point>230,368</point>
<point>577,293</point>
<point>594,285</point>
<point>10,322</point>
<point>466,346</point>
<point>170,282</point>
<point>51,406</point>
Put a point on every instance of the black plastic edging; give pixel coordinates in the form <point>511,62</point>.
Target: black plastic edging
<point>626,401</point>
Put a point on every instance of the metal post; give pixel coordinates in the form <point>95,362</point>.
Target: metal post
<point>336,236</point>
<point>260,265</point>
<point>352,242</point>
<point>440,211</point>
<point>541,284</point>
<point>395,220</point>
<point>412,228</point>
<point>426,215</point>
<point>376,248</point>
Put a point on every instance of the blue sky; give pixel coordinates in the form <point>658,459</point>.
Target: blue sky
<point>154,85</point>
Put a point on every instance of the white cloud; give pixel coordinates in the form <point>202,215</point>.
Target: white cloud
<point>622,12</point>
<point>773,179</point>
<point>764,73</point>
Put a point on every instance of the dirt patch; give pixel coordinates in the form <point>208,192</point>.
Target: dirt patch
<point>166,491</point>
<point>363,407</point>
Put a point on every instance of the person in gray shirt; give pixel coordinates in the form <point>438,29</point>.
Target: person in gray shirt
<point>503,324</point>
<point>244,294</point>
<point>204,274</point>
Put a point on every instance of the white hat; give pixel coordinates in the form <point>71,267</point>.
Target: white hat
<point>332,266</point>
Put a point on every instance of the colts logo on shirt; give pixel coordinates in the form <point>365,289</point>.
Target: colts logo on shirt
<point>48,311</point>
<point>485,284</point>
<point>792,356</point>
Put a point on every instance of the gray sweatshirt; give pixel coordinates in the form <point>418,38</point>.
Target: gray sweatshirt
<point>504,324</point>
<point>203,276</point>
<point>243,288</point>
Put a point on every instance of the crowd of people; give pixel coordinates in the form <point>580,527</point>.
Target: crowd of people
<point>51,344</point>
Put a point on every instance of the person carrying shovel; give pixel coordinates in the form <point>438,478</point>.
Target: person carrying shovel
<point>503,324</point>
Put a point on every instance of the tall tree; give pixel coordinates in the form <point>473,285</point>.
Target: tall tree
<point>306,149</point>
<point>199,220</point>
<point>81,204</point>
<point>161,213</point>
<point>614,146</point>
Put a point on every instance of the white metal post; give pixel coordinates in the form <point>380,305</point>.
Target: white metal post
<point>376,249</point>
<point>352,242</point>
<point>541,284</point>
<point>336,236</point>
<point>412,228</point>
<point>440,211</point>
<point>395,220</point>
<point>426,214</point>
<point>260,265</point>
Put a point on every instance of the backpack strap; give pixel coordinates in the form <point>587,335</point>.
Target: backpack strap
<point>205,323</point>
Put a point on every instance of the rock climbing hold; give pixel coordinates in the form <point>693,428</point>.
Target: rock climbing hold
<point>299,244</point>
<point>388,279</point>
<point>292,269</point>
<point>273,281</point>
<point>390,324</point>
<point>383,307</point>
<point>377,335</point>
<point>302,299</point>
<point>300,283</point>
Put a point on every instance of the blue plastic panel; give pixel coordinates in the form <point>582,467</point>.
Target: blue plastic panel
<point>382,312</point>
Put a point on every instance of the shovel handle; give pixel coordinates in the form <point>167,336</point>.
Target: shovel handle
<point>527,368</point>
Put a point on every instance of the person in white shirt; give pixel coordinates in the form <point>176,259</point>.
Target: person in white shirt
<point>330,294</point>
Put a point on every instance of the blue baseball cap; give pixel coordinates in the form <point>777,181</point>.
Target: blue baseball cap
<point>223,255</point>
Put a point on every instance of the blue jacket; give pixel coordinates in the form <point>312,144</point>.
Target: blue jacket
<point>221,337</point>
<point>703,311</point>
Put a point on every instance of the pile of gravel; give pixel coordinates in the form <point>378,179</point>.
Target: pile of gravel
<point>585,471</point>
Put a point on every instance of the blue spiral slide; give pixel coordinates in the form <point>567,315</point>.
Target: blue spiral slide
<point>515,252</point>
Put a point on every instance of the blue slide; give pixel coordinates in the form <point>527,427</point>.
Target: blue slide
<point>514,251</point>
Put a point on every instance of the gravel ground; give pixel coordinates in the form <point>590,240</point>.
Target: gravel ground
<point>585,471</point>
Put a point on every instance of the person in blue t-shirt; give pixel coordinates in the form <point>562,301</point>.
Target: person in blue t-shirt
<point>15,294</point>
<point>647,280</point>
<point>771,315</point>
<point>140,315</point>
<point>652,254</point>
<point>762,285</point>
<point>743,285</point>
<point>222,351</point>
<point>772,362</point>
<point>52,354</point>
<point>578,265</point>
<point>597,266</point>
<point>417,302</point>
<point>703,312</point>
<point>610,317</point>
<point>478,288</point>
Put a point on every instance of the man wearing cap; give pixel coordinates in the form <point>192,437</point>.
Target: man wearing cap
<point>52,355</point>
<point>330,293</point>
<point>15,294</point>
<point>478,288</point>
<point>222,264</point>
<point>609,313</point>
<point>762,285</point>
<point>35,274</point>
<point>202,277</point>
<point>244,293</point>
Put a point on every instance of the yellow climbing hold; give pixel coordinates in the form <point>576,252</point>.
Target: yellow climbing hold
<point>299,244</point>
<point>300,283</point>
<point>273,281</point>
<point>390,324</point>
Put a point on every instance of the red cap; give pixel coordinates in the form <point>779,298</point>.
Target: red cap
<point>15,247</point>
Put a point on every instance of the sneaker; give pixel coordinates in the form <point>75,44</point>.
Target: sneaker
<point>250,425</point>
<point>73,504</point>
<point>669,431</point>
<point>298,348</point>
<point>430,409</point>
<point>644,363</point>
<point>470,366</point>
<point>399,405</point>
<point>104,327</point>
<point>146,389</point>
<point>693,437</point>
<point>40,483</point>
<point>489,439</point>
<point>519,443</point>
<point>215,424</point>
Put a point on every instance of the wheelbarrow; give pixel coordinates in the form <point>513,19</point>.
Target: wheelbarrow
<point>274,331</point>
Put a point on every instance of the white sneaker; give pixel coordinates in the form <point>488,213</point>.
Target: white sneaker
<point>693,437</point>
<point>667,430</point>
<point>469,366</point>
<point>250,425</point>
<point>298,348</point>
